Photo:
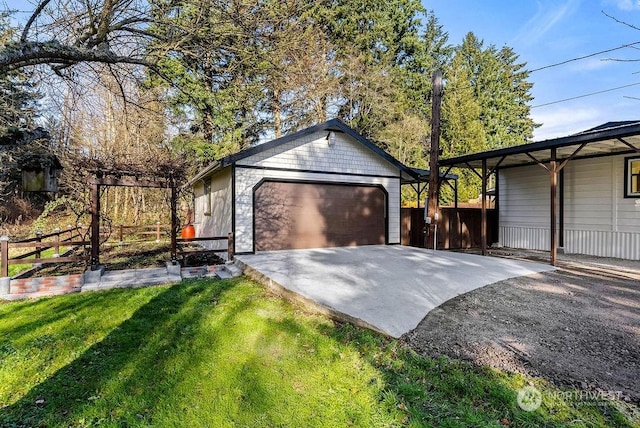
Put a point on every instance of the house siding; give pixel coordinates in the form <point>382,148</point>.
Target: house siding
<point>219,222</point>
<point>311,158</point>
<point>598,220</point>
<point>313,152</point>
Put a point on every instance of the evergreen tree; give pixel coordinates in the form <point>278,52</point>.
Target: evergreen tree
<point>501,89</point>
<point>462,128</point>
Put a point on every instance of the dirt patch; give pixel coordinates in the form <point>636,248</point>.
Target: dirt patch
<point>577,326</point>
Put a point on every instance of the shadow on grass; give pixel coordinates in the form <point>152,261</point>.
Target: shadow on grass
<point>123,368</point>
<point>155,368</point>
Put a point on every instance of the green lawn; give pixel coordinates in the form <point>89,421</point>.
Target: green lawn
<point>211,353</point>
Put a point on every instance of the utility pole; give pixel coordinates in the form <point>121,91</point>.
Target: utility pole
<point>434,153</point>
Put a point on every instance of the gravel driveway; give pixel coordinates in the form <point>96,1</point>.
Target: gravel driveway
<point>577,326</point>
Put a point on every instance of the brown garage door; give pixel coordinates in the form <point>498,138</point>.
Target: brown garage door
<point>313,215</point>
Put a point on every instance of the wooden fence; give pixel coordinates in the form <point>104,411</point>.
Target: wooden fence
<point>186,252</point>
<point>458,228</point>
<point>71,237</point>
<point>157,230</point>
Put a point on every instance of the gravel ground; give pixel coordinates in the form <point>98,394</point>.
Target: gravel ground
<point>577,326</point>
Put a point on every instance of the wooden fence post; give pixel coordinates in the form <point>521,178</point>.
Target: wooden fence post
<point>38,239</point>
<point>174,224</point>
<point>57,245</point>
<point>70,230</point>
<point>121,234</point>
<point>230,246</point>
<point>4,256</point>
<point>158,231</point>
<point>95,226</point>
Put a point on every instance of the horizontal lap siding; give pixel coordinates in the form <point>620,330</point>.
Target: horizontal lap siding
<point>524,208</point>
<point>313,153</point>
<point>219,222</point>
<point>598,219</point>
<point>589,189</point>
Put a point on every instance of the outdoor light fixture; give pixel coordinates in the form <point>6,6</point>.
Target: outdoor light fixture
<point>331,138</point>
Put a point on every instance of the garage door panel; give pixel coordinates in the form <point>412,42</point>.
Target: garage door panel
<point>313,215</point>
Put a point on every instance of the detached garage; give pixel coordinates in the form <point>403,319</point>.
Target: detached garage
<point>324,186</point>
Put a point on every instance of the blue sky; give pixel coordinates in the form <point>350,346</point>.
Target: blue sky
<point>544,32</point>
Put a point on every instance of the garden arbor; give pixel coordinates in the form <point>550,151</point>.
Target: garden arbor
<point>130,177</point>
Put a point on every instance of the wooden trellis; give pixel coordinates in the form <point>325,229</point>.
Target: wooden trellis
<point>113,177</point>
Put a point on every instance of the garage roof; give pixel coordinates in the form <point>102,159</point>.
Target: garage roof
<point>607,139</point>
<point>408,175</point>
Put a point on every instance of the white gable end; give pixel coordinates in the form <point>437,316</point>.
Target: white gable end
<point>314,153</point>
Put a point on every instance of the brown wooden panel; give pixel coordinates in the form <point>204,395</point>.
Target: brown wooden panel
<point>457,227</point>
<point>312,215</point>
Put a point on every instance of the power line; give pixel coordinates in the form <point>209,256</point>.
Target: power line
<point>628,45</point>
<point>587,95</point>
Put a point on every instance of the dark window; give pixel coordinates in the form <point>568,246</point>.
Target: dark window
<point>632,178</point>
<point>207,197</point>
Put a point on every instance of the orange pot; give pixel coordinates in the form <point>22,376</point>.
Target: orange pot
<point>188,232</point>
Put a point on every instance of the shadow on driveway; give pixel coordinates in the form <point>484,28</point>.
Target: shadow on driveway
<point>391,288</point>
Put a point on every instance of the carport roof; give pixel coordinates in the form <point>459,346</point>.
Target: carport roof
<point>611,138</point>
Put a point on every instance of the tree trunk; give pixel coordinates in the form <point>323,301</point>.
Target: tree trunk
<point>277,114</point>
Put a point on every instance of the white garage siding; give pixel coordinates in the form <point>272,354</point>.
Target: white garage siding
<point>219,222</point>
<point>598,220</point>
<point>311,158</point>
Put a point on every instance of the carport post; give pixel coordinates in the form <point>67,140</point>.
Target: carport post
<point>553,170</point>
<point>484,207</point>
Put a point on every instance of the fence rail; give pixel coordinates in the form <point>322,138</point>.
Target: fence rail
<point>40,246</point>
<point>75,237</point>
<point>229,250</point>
<point>156,230</point>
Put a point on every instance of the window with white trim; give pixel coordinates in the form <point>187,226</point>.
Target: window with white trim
<point>632,177</point>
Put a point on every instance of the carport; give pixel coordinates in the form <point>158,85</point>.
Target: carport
<point>386,288</point>
<point>609,139</point>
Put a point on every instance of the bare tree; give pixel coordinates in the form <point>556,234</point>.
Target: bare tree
<point>61,33</point>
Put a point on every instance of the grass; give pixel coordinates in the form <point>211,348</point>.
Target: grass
<point>211,353</point>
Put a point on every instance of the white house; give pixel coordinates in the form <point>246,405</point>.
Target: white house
<point>324,186</point>
<point>595,178</point>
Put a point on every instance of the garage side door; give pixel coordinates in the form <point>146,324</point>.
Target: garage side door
<point>313,215</point>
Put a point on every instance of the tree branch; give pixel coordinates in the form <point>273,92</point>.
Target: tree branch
<point>32,18</point>
<point>24,54</point>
